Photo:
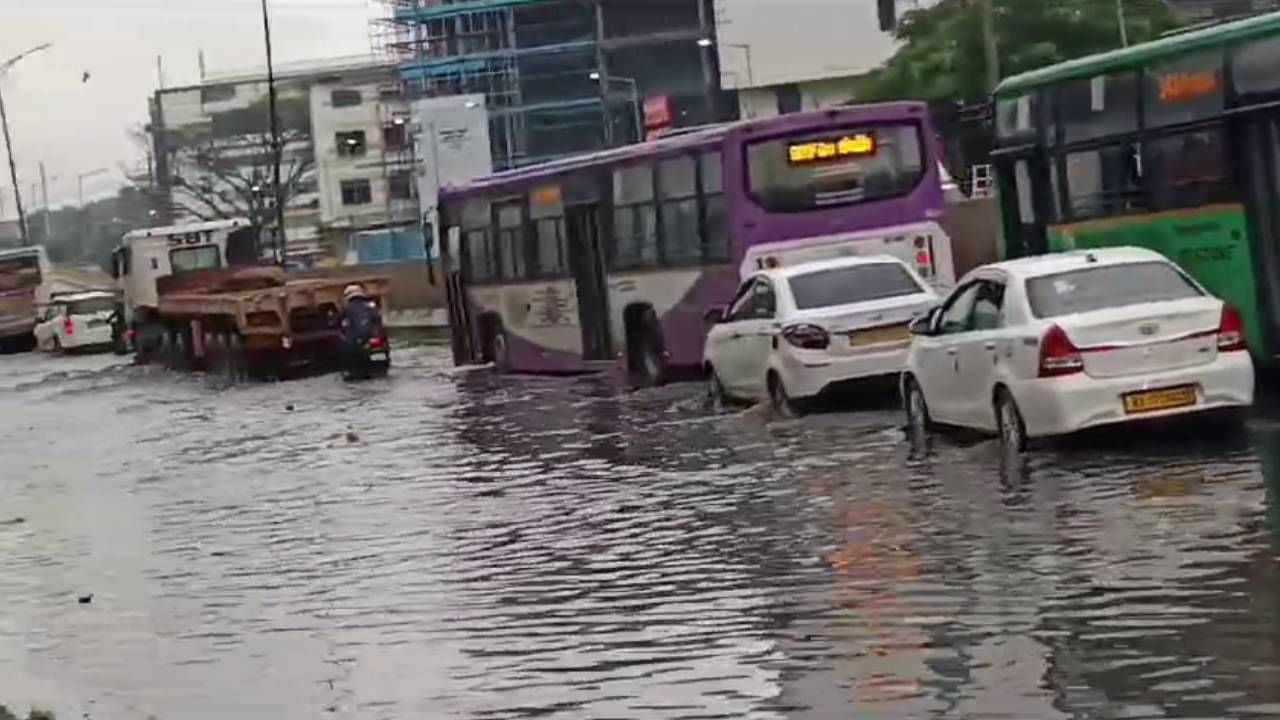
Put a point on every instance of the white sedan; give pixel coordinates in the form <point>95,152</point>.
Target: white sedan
<point>792,333</point>
<point>1051,345</point>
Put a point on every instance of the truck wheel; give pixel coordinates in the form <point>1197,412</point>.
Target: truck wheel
<point>234,358</point>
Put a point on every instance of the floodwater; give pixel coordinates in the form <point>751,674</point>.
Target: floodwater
<point>449,544</point>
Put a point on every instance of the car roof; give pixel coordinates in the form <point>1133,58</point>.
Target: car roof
<point>1052,264</point>
<point>833,264</point>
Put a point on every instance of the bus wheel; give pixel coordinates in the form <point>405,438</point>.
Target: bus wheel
<point>496,348</point>
<point>646,351</point>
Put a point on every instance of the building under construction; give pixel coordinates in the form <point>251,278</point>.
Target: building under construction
<point>561,76</point>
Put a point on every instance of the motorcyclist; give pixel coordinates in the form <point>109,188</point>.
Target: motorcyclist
<point>361,322</point>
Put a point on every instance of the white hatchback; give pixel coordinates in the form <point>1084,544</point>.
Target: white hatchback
<point>792,333</point>
<point>80,321</point>
<point>1051,345</point>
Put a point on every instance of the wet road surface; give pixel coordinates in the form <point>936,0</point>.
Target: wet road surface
<point>449,544</point>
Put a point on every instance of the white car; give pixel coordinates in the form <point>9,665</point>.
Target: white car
<point>79,321</point>
<point>1051,345</point>
<point>793,332</point>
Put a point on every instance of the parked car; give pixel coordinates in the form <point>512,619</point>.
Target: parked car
<point>792,333</point>
<point>77,322</point>
<point>1051,345</point>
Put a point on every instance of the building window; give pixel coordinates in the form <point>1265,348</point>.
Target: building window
<point>400,186</point>
<point>351,144</point>
<point>789,99</point>
<point>345,98</point>
<point>356,192</point>
<point>394,135</point>
<point>217,93</point>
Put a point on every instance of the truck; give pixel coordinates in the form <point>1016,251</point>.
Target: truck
<point>22,277</point>
<point>199,297</point>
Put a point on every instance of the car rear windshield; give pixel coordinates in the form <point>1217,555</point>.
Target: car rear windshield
<point>91,306</point>
<point>1109,286</point>
<point>849,285</point>
<point>841,167</point>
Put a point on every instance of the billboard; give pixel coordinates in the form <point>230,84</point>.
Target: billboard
<point>452,140</point>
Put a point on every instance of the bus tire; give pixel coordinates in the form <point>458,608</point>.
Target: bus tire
<point>495,348</point>
<point>646,350</point>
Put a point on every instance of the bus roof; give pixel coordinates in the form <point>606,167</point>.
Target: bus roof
<point>692,138</point>
<point>1204,38</point>
<point>189,227</point>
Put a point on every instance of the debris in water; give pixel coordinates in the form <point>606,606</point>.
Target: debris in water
<point>289,407</point>
<point>352,437</point>
<point>15,521</point>
<point>86,599</point>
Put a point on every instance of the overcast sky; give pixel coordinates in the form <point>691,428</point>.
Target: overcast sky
<point>76,127</point>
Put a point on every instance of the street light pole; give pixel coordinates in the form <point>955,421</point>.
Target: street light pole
<point>8,142</point>
<point>276,150</point>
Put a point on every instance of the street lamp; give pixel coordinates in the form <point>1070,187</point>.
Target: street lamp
<point>81,177</point>
<point>8,143</point>
<point>635,97</point>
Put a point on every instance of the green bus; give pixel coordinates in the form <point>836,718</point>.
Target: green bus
<point>1172,145</point>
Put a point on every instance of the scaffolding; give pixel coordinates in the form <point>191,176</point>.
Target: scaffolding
<point>533,60</point>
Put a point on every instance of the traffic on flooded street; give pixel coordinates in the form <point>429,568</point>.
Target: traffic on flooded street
<point>462,544</point>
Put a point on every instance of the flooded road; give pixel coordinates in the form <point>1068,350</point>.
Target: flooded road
<point>450,544</point>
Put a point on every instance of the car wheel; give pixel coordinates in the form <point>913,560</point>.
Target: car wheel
<point>717,398</point>
<point>1012,429</point>
<point>917,408</point>
<point>783,405</point>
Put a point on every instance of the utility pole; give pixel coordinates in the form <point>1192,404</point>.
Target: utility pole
<point>1124,30</point>
<point>276,150</point>
<point>48,214</point>
<point>989,44</point>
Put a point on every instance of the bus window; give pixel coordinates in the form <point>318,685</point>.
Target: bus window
<point>1184,90</point>
<point>635,220</point>
<point>841,167</point>
<point>716,228</point>
<point>1253,68</point>
<point>1097,107</point>
<point>678,186</point>
<point>1188,170</point>
<point>511,243</point>
<point>546,212</point>
<point>480,256</point>
<point>1103,182</point>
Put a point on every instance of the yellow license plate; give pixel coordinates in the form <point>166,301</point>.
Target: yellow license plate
<point>1156,400</point>
<point>880,336</point>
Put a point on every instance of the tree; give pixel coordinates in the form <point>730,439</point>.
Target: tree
<point>224,169</point>
<point>942,57</point>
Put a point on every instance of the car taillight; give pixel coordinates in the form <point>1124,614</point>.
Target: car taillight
<point>1058,355</point>
<point>924,256</point>
<point>1231,331</point>
<point>68,327</point>
<point>807,337</point>
<point>375,342</point>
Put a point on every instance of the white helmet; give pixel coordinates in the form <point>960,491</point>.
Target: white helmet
<point>353,291</point>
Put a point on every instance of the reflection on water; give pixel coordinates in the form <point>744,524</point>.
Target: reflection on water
<point>453,544</point>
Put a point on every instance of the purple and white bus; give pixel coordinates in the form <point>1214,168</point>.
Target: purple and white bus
<point>612,260</point>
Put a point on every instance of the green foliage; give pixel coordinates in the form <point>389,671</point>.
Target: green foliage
<point>942,56</point>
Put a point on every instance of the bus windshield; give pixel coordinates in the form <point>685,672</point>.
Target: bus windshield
<point>17,273</point>
<point>835,167</point>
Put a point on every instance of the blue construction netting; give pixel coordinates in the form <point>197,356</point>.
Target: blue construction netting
<point>389,246</point>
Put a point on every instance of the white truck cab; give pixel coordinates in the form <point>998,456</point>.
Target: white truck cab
<point>145,256</point>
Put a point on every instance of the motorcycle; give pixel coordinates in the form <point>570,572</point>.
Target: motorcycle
<point>367,357</point>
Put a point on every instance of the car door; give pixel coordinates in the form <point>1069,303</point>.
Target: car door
<point>979,350</point>
<point>756,333</point>
<point>938,354</point>
<point>723,350</point>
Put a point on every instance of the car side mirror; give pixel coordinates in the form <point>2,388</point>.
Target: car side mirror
<point>923,325</point>
<point>714,316</point>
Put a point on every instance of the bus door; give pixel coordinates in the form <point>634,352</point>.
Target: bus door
<point>587,265</point>
<point>1257,155</point>
<point>456,299</point>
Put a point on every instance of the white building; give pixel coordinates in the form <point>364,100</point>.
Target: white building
<point>346,149</point>
<point>796,55</point>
